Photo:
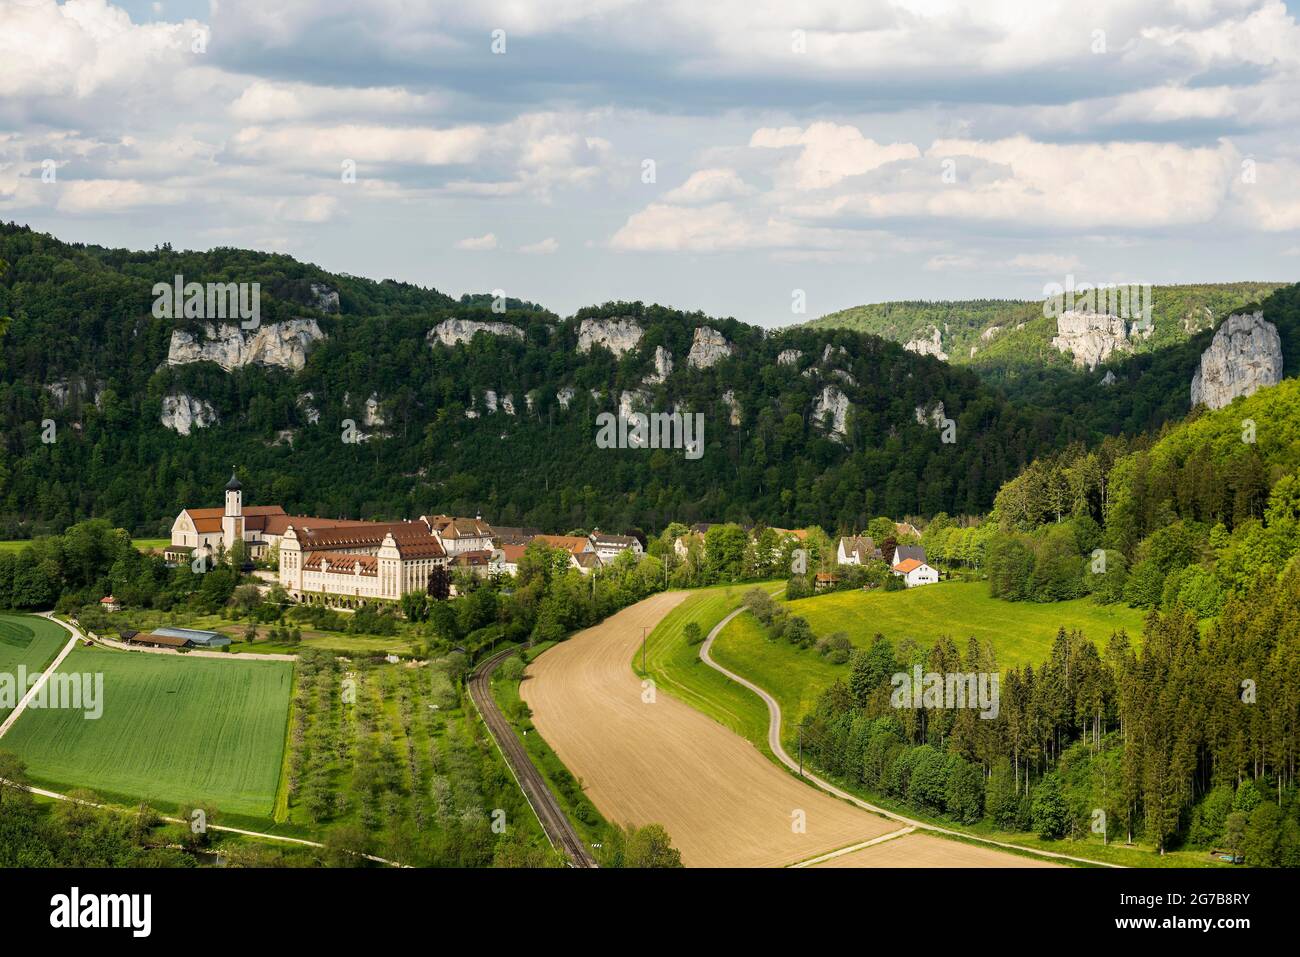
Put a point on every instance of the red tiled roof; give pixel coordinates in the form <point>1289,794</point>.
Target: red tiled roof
<point>575,544</point>
<point>908,565</point>
<point>511,553</point>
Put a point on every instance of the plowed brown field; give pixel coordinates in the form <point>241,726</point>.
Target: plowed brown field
<point>926,850</point>
<point>658,760</point>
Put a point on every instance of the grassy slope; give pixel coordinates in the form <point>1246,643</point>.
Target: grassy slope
<point>795,678</point>
<point>35,653</point>
<point>677,669</point>
<point>173,729</point>
<point>1019,632</point>
<point>141,544</point>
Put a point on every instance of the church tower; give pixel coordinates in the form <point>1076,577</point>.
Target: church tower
<point>232,523</point>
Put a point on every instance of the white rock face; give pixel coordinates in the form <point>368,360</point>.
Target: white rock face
<point>451,331</point>
<point>306,402</point>
<point>663,367</point>
<point>789,357</point>
<point>729,400</point>
<point>564,397</point>
<point>832,408</point>
<point>932,346</point>
<point>631,401</point>
<point>619,336</point>
<point>508,404</point>
<point>990,332</point>
<point>931,414</point>
<point>1108,379</point>
<point>834,352</point>
<point>283,344</point>
<point>372,417</point>
<point>1245,356</point>
<point>845,377</point>
<point>708,348</point>
<point>327,297</point>
<point>1091,337</point>
<point>490,400</point>
<point>183,413</point>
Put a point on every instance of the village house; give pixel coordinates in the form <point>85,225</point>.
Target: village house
<point>857,550</point>
<point>577,546</point>
<point>915,572</point>
<point>609,547</point>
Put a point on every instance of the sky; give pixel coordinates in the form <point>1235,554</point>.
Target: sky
<point>747,158</point>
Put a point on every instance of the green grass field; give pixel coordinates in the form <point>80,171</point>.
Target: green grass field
<point>141,544</point>
<point>1020,632</point>
<point>174,729</point>
<point>28,641</point>
<point>677,669</point>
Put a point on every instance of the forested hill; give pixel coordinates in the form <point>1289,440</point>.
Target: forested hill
<point>1007,339</point>
<point>830,436</point>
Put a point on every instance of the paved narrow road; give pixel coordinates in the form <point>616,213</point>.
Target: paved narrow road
<point>774,741</point>
<point>559,830</point>
<point>38,684</point>
<point>284,839</point>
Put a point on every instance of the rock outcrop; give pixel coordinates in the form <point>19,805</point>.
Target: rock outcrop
<point>663,367</point>
<point>325,298</point>
<point>1244,356</point>
<point>451,331</point>
<point>931,414</point>
<point>630,401</point>
<point>183,413</point>
<point>832,409</point>
<point>564,397</point>
<point>708,348</point>
<point>307,402</point>
<point>619,336</point>
<point>789,357</point>
<point>733,406</point>
<point>931,346</point>
<point>284,344</point>
<point>1091,337</point>
<point>372,417</point>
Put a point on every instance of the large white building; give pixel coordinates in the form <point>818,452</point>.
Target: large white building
<point>332,561</point>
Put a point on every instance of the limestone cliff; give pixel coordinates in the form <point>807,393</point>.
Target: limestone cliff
<point>183,413</point>
<point>619,336</point>
<point>1244,356</point>
<point>283,344</point>
<point>451,331</point>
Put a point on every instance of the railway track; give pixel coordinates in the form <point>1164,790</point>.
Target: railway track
<point>559,831</point>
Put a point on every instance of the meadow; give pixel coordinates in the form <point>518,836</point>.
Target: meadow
<point>16,545</point>
<point>676,668</point>
<point>1019,632</point>
<point>29,641</point>
<point>174,729</point>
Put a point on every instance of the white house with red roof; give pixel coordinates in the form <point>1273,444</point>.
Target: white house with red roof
<point>915,572</point>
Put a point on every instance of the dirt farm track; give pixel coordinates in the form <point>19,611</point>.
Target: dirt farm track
<point>658,760</point>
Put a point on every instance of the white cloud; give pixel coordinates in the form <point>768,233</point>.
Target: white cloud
<point>709,186</point>
<point>364,143</point>
<point>484,243</point>
<point>829,153</point>
<point>112,195</point>
<point>268,101</point>
<point>544,247</point>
